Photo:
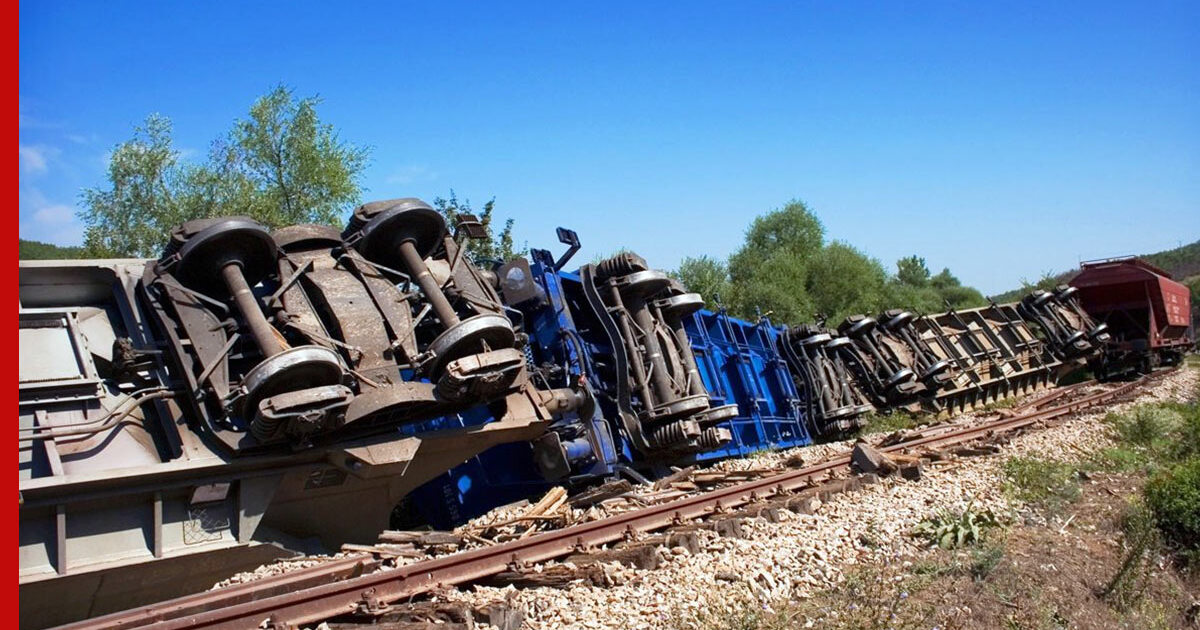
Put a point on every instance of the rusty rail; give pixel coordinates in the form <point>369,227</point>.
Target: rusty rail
<point>350,584</point>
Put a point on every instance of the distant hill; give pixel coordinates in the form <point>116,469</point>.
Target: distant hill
<point>36,250</point>
<point>1182,263</point>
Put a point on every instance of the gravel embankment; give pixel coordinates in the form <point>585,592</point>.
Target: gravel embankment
<point>807,552</point>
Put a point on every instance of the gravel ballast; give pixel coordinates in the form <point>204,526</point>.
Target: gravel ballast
<point>807,553</point>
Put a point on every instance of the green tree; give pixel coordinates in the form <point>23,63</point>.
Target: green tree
<point>494,246</point>
<point>953,293</point>
<point>844,281</point>
<point>133,217</point>
<point>298,168</point>
<point>769,272</point>
<point>914,289</point>
<point>280,165</point>
<point>776,289</point>
<point>1047,282</point>
<point>912,271</point>
<point>707,276</point>
<point>37,250</point>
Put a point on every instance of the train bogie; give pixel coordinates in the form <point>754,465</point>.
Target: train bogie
<point>248,395</point>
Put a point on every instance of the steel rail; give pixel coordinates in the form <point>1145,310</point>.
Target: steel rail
<point>298,598</point>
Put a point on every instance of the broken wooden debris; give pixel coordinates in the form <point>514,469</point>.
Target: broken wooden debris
<point>866,459</point>
<point>594,496</point>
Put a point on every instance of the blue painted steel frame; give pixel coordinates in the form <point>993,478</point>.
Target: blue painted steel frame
<point>739,362</point>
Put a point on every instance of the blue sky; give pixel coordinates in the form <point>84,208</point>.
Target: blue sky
<point>1001,140</point>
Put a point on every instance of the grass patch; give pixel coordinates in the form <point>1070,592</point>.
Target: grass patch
<point>983,560</point>
<point>1151,437</point>
<point>1047,484</point>
<point>1119,459</point>
<point>1148,427</point>
<point>1161,440</point>
<point>898,420</point>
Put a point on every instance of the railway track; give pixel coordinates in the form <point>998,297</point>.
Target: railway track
<point>363,584</point>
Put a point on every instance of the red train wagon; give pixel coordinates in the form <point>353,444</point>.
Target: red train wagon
<point>1148,314</point>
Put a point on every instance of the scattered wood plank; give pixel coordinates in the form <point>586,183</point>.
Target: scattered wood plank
<point>384,549</point>
<point>553,576</point>
<point>679,475</point>
<point>594,496</point>
<point>421,538</point>
<point>637,556</point>
<point>685,539</point>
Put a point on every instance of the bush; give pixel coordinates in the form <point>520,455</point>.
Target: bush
<point>1148,426</point>
<point>1188,443</point>
<point>1173,495</point>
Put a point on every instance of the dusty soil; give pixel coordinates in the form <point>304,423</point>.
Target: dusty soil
<point>1051,575</point>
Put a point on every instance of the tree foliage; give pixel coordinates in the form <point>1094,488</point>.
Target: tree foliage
<point>843,281</point>
<point>707,276</point>
<point>914,288</point>
<point>496,246</point>
<point>786,270</point>
<point>279,165</point>
<point>911,270</point>
<point>37,250</point>
<point>132,217</point>
<point>770,272</point>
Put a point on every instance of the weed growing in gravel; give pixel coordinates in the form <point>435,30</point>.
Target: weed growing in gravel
<point>949,529</point>
<point>1149,427</point>
<point>899,420</point>
<point>1163,439</point>
<point>1119,459</point>
<point>874,597</point>
<point>1048,484</point>
<point>740,610</point>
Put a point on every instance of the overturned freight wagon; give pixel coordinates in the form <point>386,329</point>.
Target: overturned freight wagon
<point>1145,312</point>
<point>671,384</point>
<point>249,394</point>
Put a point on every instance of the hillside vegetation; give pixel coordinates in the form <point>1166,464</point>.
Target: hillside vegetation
<point>1182,263</point>
<point>37,250</point>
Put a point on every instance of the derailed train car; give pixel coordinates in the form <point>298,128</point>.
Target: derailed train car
<point>1147,314</point>
<point>675,384</point>
<point>672,384</point>
<point>247,395</point>
<point>251,394</point>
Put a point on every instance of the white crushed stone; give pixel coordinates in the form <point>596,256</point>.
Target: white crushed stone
<point>806,553</point>
<point>279,567</point>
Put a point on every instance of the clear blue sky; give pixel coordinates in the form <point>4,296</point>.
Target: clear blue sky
<point>1000,140</point>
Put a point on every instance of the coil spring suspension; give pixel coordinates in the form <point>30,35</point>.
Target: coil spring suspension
<point>622,264</point>
<point>674,433</point>
<point>714,437</point>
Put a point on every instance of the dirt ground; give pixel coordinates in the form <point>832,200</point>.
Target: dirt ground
<point>1051,574</point>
